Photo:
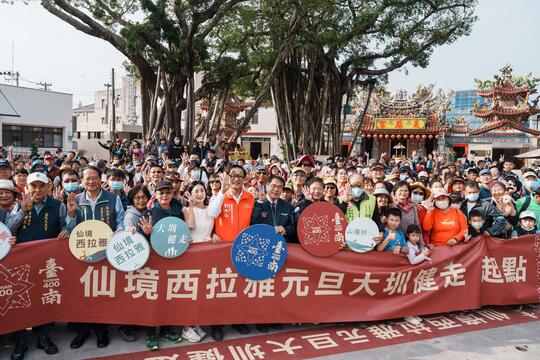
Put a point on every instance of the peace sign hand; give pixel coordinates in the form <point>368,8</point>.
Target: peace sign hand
<point>189,199</point>
<point>26,202</point>
<point>146,224</point>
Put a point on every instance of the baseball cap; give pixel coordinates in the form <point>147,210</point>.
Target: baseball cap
<point>439,192</point>
<point>376,166</point>
<point>296,169</point>
<point>163,184</point>
<point>529,173</point>
<point>306,159</point>
<point>330,180</point>
<point>5,163</point>
<point>171,162</point>
<point>485,172</point>
<point>37,176</point>
<point>381,191</point>
<point>172,175</point>
<point>527,214</point>
<point>423,174</point>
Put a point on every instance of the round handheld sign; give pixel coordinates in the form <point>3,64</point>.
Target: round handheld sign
<point>321,229</point>
<point>170,237</point>
<point>5,234</point>
<point>127,252</point>
<point>89,239</point>
<point>258,252</point>
<point>360,233</point>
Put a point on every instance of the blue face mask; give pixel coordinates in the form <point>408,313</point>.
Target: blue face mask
<point>417,198</point>
<point>116,185</point>
<point>472,197</point>
<point>71,187</point>
<point>403,177</point>
<point>357,192</point>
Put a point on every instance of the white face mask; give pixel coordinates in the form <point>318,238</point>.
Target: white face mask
<point>442,204</point>
<point>455,206</point>
<point>477,224</point>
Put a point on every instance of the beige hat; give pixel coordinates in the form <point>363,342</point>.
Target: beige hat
<point>8,185</point>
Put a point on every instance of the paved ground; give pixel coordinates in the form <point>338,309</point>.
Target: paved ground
<point>495,337</point>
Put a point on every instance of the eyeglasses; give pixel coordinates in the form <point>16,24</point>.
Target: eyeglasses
<point>214,182</point>
<point>261,172</point>
<point>299,175</point>
<point>306,164</point>
<point>237,176</point>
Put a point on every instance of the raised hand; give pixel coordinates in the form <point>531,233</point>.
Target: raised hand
<point>189,199</point>
<point>26,202</point>
<point>146,224</point>
<point>71,204</point>
<point>348,192</point>
<point>260,193</point>
<point>58,193</point>
<point>126,188</point>
<point>306,193</point>
<point>225,182</point>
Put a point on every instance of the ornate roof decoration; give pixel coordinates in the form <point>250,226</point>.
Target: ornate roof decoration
<point>460,125</point>
<point>508,104</point>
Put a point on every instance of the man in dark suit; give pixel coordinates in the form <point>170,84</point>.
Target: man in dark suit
<point>273,211</point>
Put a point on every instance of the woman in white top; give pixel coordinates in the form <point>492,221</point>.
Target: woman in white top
<point>197,218</point>
<point>201,226</point>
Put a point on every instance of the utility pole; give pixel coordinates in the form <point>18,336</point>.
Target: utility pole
<point>13,74</point>
<point>113,107</point>
<point>45,85</point>
<point>107,85</point>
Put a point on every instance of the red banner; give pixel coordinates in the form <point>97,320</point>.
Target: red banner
<point>41,282</point>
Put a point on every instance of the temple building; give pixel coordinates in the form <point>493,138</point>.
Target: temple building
<point>399,125</point>
<point>499,120</point>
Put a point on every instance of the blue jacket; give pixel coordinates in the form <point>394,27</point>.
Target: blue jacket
<point>283,216</point>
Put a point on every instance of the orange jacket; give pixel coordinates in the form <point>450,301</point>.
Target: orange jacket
<point>444,226</point>
<point>234,217</point>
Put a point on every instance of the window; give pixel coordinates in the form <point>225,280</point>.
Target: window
<point>103,103</point>
<point>23,136</point>
<point>103,120</point>
<point>94,135</point>
<point>77,134</point>
<point>255,118</point>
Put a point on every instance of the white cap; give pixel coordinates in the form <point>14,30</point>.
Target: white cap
<point>423,174</point>
<point>529,173</point>
<point>37,176</point>
<point>527,214</point>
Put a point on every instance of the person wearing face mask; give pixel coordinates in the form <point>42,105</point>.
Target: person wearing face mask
<point>176,149</point>
<point>401,194</point>
<point>419,197</point>
<point>115,181</point>
<point>447,226</point>
<point>196,173</point>
<point>477,225</point>
<point>529,179</point>
<point>361,204</point>
<point>495,221</point>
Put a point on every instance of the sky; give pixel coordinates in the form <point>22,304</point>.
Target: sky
<point>46,49</point>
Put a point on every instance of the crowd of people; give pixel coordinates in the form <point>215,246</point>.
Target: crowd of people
<point>419,203</point>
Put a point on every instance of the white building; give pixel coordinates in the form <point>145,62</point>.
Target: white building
<point>33,115</point>
<point>94,122</point>
<point>262,137</point>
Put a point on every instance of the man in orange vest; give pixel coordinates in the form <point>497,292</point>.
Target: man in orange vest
<point>232,208</point>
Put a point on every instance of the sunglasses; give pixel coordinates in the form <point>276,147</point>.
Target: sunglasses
<point>306,164</point>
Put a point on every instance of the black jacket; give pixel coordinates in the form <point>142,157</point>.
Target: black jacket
<point>262,214</point>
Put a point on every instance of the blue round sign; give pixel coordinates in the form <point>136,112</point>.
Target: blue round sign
<point>258,252</point>
<point>170,237</point>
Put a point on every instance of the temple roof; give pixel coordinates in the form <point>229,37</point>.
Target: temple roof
<point>504,125</point>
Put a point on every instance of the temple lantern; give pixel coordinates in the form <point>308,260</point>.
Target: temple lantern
<point>430,136</point>
<point>399,136</point>
<point>418,137</point>
<point>393,136</point>
<point>424,136</point>
<point>369,136</point>
<point>387,136</point>
<point>363,135</point>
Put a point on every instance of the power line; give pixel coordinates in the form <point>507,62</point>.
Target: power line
<point>44,84</point>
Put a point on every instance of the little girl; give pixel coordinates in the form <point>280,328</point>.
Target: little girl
<point>415,255</point>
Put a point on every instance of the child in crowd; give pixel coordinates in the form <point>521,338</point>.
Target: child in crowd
<point>415,255</point>
<point>526,225</point>
<point>476,225</point>
<point>455,200</point>
<point>393,238</point>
